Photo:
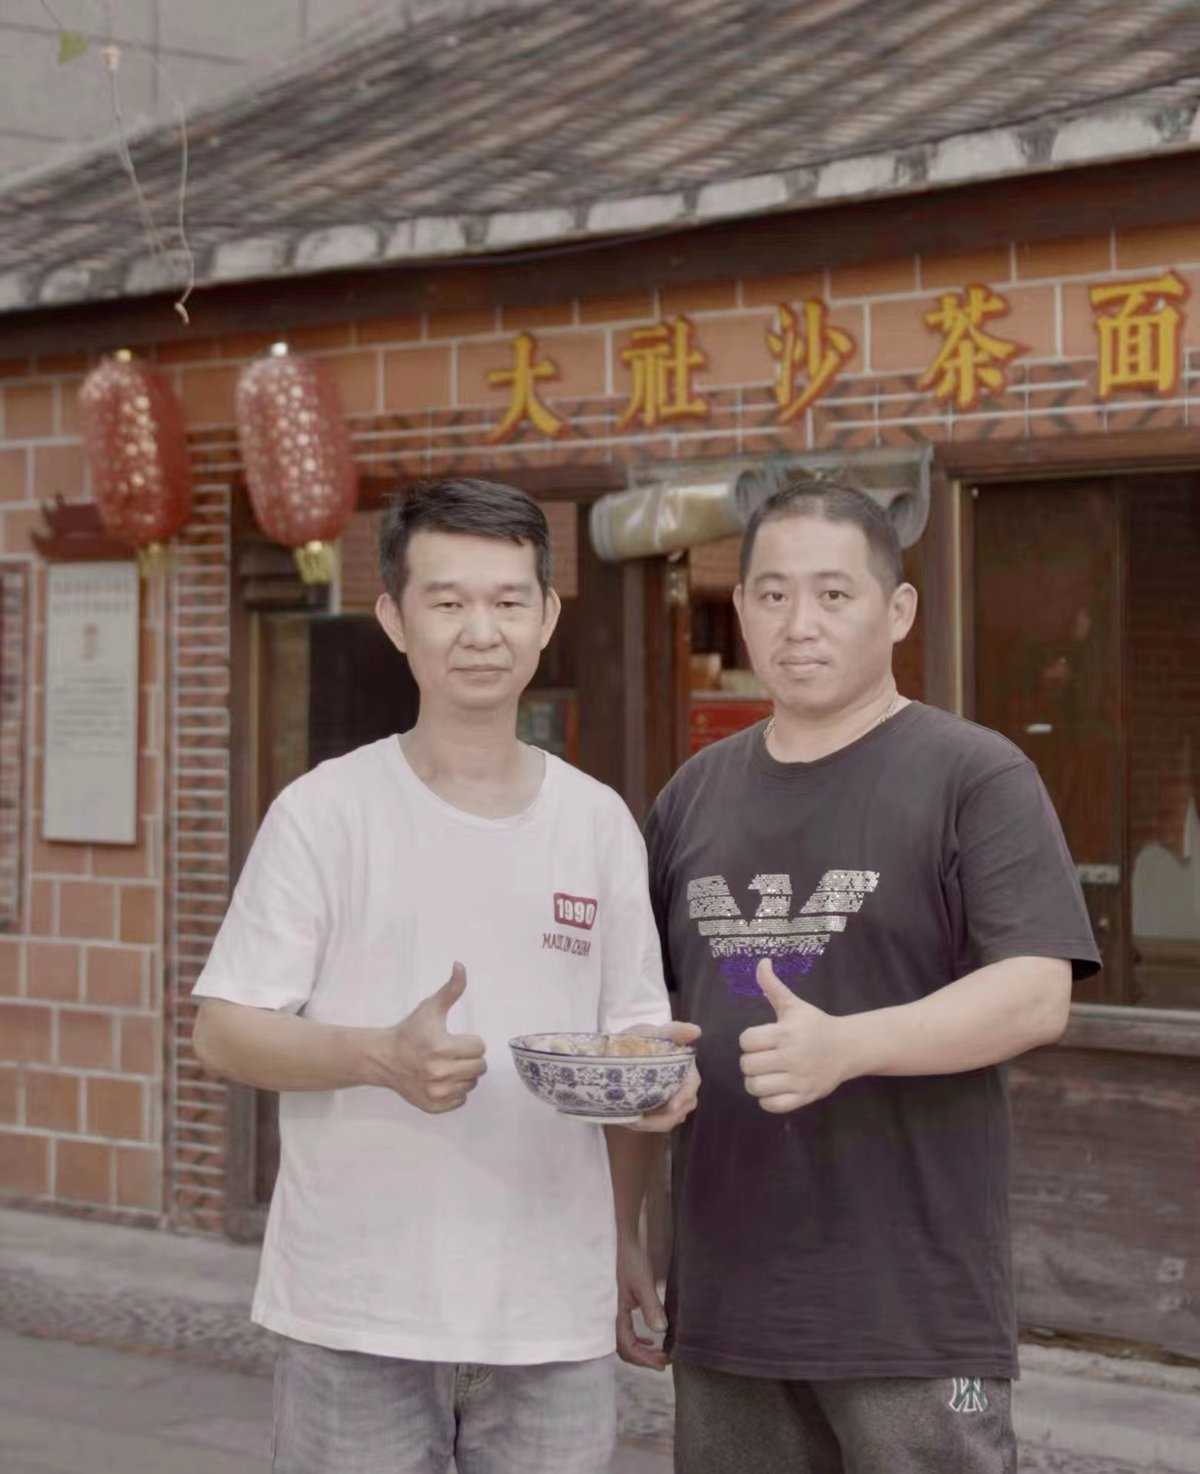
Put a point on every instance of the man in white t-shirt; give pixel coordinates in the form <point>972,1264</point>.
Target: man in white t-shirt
<point>441,1250</point>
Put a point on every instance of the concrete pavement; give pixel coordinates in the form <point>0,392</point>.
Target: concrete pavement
<point>67,1409</point>
<point>201,1408</point>
<point>70,1409</point>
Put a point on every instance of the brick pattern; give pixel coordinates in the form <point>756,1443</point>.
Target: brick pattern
<point>199,857</point>
<point>80,1034</point>
<point>103,1108</point>
<point>563,518</point>
<point>420,402</point>
<point>79,969</point>
<point>14,631</point>
<point>360,582</point>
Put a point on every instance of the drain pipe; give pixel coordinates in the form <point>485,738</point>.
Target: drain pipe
<point>666,517</point>
<point>685,505</point>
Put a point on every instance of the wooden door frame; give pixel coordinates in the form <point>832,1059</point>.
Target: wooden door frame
<point>948,541</point>
<point>245,1221</point>
<point>262,578</point>
<point>1103,495</point>
<point>949,567</point>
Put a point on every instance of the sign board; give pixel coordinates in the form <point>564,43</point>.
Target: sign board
<point>90,793</point>
<point>716,714</point>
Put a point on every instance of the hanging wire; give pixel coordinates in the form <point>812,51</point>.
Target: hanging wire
<point>181,198</point>
<point>111,53</point>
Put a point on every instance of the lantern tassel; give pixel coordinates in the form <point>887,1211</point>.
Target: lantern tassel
<point>154,559</point>
<point>315,562</point>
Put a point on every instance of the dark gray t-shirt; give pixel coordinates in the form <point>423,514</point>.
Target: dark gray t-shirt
<point>866,1234</point>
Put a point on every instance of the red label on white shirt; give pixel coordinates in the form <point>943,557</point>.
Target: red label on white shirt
<point>577,911</point>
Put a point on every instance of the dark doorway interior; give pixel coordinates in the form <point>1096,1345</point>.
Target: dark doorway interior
<point>360,687</point>
<point>1086,652</point>
<point>328,684</point>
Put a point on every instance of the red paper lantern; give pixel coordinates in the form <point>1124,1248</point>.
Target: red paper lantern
<point>296,448</point>
<point>136,450</point>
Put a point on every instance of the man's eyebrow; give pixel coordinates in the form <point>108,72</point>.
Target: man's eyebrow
<point>448,585</point>
<point>768,575</point>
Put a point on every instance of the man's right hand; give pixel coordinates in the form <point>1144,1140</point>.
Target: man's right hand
<point>422,1061</point>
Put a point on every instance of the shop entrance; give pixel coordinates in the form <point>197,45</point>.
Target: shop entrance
<point>1084,650</point>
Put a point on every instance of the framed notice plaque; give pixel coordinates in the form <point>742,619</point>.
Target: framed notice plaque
<point>14,632</point>
<point>90,793</point>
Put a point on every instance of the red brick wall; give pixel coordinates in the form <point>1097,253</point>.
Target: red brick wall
<point>102,1107</point>
<point>81,1048</point>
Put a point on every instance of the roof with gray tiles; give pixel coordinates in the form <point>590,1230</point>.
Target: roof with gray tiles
<point>439,128</point>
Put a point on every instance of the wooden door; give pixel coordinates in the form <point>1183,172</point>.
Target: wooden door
<point>1048,659</point>
<point>326,686</point>
<point>1162,649</point>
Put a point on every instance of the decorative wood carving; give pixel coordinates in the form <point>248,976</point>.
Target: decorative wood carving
<point>74,533</point>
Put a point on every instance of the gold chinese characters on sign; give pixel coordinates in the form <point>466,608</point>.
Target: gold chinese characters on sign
<point>663,360</point>
<point>521,380</point>
<point>971,359</point>
<point>810,353</point>
<point>1139,331</point>
<point>1139,328</point>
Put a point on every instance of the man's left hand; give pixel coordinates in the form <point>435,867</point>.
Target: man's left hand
<point>636,1290</point>
<point>797,1059</point>
<point>683,1102</point>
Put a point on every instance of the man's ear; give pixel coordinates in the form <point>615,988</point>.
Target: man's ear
<point>903,611</point>
<point>389,616</point>
<point>550,613</point>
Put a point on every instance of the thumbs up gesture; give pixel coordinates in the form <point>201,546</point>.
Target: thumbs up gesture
<point>423,1061</point>
<point>798,1058</point>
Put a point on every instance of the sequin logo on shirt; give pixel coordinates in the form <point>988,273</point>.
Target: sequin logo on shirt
<point>793,943</point>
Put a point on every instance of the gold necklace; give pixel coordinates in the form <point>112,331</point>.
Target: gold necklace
<point>878,722</point>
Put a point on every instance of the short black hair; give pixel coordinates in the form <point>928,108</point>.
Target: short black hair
<point>833,501</point>
<point>465,505</point>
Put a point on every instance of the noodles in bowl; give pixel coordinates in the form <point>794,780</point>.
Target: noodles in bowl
<point>610,1079</point>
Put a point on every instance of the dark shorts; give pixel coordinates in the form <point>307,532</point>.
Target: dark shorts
<point>727,1424</point>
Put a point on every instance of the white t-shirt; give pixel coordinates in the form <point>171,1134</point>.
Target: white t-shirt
<point>483,1235</point>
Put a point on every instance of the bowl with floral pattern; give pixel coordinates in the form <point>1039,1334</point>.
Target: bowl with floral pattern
<point>607,1079</point>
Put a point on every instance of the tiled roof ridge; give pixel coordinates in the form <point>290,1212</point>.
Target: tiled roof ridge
<point>323,223</point>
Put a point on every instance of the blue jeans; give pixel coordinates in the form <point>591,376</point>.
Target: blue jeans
<point>344,1412</point>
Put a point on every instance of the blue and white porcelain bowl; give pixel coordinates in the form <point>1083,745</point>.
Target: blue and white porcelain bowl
<point>593,1077</point>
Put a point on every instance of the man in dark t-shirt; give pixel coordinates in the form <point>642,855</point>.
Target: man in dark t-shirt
<point>867,905</point>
